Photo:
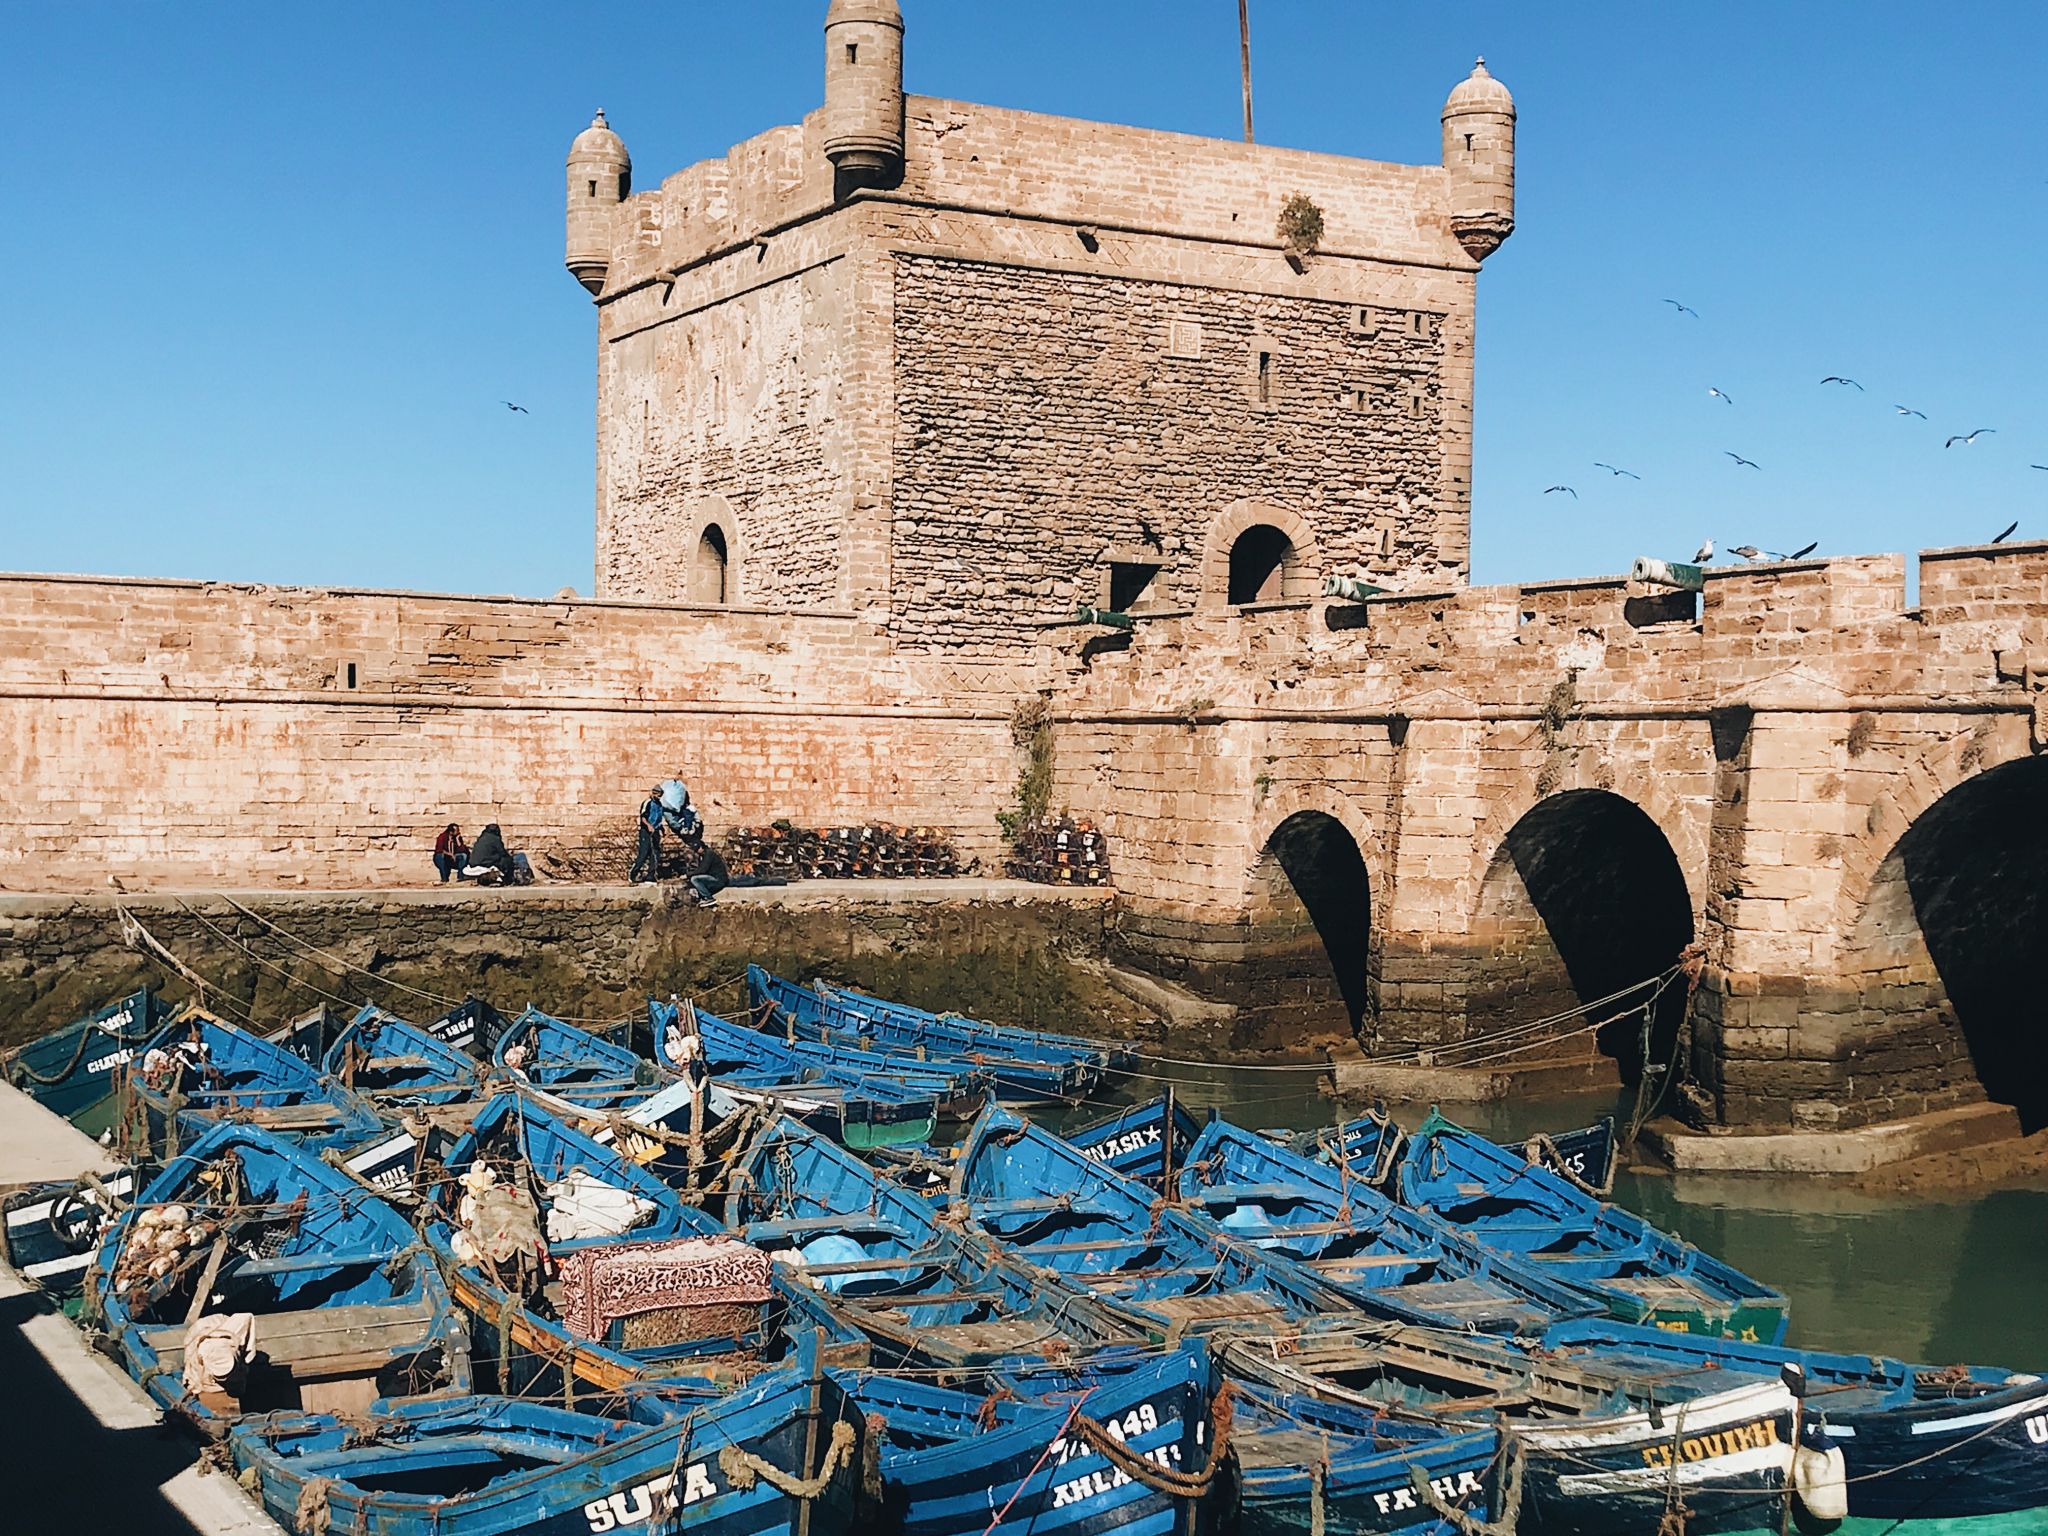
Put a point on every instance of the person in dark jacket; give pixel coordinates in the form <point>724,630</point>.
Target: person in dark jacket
<point>647,853</point>
<point>489,853</point>
<point>712,876</point>
<point>451,853</point>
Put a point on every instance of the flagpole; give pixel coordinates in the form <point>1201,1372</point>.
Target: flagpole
<point>1244,58</point>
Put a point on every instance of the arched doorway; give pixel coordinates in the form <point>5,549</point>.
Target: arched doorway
<point>1310,950</point>
<point>1261,563</point>
<point>1947,948</point>
<point>708,567</point>
<point>1584,899</point>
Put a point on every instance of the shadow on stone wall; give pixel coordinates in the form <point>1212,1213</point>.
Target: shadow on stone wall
<point>1585,898</point>
<point>1976,868</point>
<point>1310,947</point>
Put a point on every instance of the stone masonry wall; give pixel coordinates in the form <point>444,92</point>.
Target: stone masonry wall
<point>163,733</point>
<point>1043,418</point>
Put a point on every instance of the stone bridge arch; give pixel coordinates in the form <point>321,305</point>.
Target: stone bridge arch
<point>1583,895</point>
<point>1228,554</point>
<point>1310,955</point>
<point>1943,923</point>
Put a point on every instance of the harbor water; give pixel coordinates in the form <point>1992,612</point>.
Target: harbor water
<point>1936,1279</point>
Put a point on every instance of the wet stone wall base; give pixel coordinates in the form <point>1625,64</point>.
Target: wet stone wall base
<point>587,957</point>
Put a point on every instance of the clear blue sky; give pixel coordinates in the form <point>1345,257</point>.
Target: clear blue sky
<point>266,271</point>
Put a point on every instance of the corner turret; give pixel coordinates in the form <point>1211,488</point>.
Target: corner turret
<point>864,92</point>
<point>600,176</point>
<point>1479,153</point>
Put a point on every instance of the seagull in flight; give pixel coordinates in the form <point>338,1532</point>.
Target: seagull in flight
<point>1739,459</point>
<point>2009,527</point>
<point>1797,554</point>
<point>2037,466</point>
<point>1704,555</point>
<point>1613,471</point>
<point>1907,410</point>
<point>1967,438</point>
<point>1683,309</point>
<point>1747,551</point>
<point>1725,399</point>
<point>1547,490</point>
<point>522,410</point>
<point>1836,378</point>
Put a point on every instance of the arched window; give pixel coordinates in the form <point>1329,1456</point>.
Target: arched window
<point>708,567</point>
<point>1260,560</point>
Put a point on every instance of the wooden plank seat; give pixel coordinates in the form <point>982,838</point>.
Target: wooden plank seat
<point>292,1263</point>
<point>1423,1261</point>
<point>323,1341</point>
<point>1229,1306</point>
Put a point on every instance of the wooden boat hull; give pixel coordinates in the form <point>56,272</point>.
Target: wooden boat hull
<point>74,1070</point>
<point>1031,1463</point>
<point>493,1467</point>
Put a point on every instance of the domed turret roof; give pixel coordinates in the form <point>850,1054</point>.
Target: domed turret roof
<point>1479,92</point>
<point>885,11</point>
<point>599,140</point>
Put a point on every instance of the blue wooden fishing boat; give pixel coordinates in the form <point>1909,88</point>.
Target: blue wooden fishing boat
<point>959,1088</point>
<point>913,1025</point>
<point>1045,1202</point>
<point>323,1294</point>
<point>380,1057</point>
<point>52,1230</point>
<point>1588,1449</point>
<point>1387,1259</point>
<point>1026,1067</point>
<point>1305,1466</point>
<point>916,1285</point>
<point>580,1194</point>
<point>1136,1141</point>
<point>308,1036</point>
<point>852,1106</point>
<point>198,1068</point>
<point>1640,1274</point>
<point>1371,1147</point>
<point>73,1071</point>
<point>1924,1449</point>
<point>574,1064</point>
<point>783,1454</point>
<point>1055,1454</point>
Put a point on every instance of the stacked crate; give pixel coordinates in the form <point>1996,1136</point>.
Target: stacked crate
<point>875,851</point>
<point>1059,850</point>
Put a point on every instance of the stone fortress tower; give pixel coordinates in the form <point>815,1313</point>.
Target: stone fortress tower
<point>956,369</point>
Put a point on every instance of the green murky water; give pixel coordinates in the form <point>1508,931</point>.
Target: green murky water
<point>1941,1280</point>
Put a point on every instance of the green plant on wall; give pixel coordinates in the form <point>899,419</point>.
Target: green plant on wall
<point>1031,733</point>
<point>1301,225</point>
<point>1559,710</point>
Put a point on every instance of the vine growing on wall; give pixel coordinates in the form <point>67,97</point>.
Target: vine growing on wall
<point>1301,225</point>
<point>1031,733</point>
<point>1559,710</point>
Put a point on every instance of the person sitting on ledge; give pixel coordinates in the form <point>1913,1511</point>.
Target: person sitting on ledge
<point>711,874</point>
<point>489,861</point>
<point>451,853</point>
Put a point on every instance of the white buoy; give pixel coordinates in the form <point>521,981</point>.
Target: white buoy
<point>1821,1479</point>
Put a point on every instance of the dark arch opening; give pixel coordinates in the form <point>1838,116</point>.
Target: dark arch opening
<point>1258,564</point>
<point>1319,865</point>
<point>708,571</point>
<point>1976,866</point>
<point>1613,901</point>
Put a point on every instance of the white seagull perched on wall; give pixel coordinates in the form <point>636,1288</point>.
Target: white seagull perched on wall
<point>1704,555</point>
